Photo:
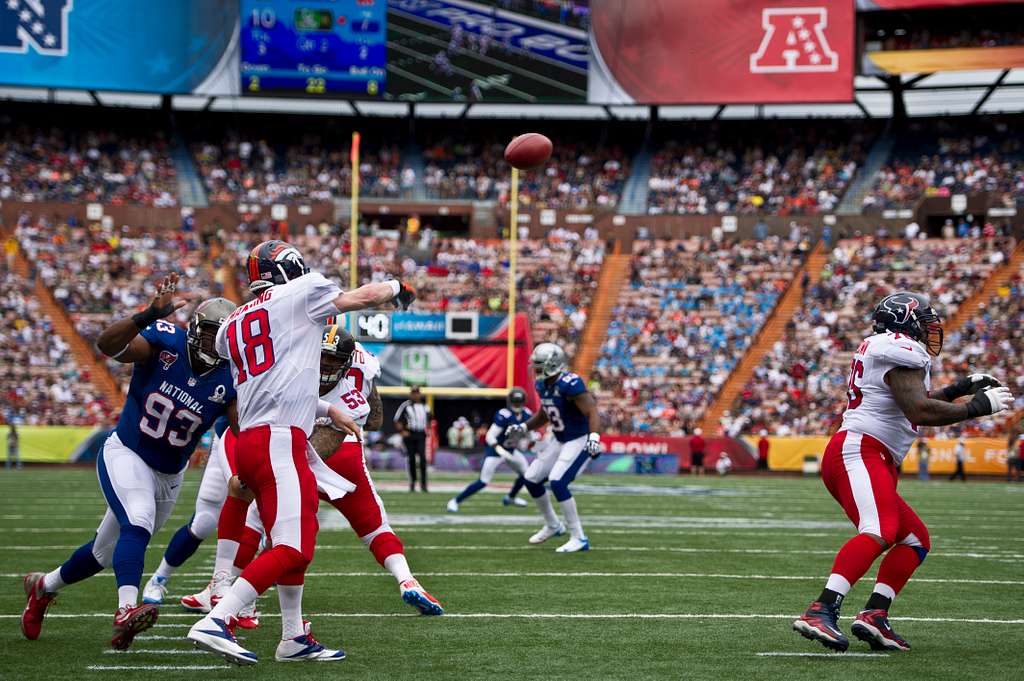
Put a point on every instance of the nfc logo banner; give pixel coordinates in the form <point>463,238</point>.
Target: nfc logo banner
<point>794,42</point>
<point>41,24</point>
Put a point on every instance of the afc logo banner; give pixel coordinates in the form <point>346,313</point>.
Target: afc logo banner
<point>39,24</point>
<point>794,42</point>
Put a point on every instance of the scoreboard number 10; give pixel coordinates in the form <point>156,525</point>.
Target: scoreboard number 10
<point>264,18</point>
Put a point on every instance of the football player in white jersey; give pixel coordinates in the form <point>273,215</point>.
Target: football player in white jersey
<point>347,375</point>
<point>273,345</point>
<point>889,398</point>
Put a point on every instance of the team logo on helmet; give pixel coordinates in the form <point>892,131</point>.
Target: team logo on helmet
<point>901,307</point>
<point>167,358</point>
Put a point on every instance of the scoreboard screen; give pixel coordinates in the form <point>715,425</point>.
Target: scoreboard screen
<point>317,47</point>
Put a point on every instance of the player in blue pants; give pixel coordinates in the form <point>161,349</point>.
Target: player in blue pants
<point>179,387</point>
<point>498,450</point>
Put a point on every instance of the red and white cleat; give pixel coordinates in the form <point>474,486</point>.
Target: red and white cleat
<point>415,595</point>
<point>872,627</point>
<point>35,608</point>
<point>248,618</point>
<point>130,621</point>
<point>207,598</point>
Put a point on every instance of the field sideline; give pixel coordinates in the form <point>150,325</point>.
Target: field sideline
<point>685,580</point>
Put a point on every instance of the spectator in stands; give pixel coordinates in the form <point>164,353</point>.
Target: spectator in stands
<point>461,434</point>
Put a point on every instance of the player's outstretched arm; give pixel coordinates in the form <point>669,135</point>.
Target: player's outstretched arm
<point>966,385</point>
<point>375,419</point>
<point>372,295</point>
<point>121,340</point>
<point>908,390</point>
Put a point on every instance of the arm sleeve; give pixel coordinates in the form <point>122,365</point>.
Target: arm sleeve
<point>493,432</point>
<point>156,338</point>
<point>320,295</point>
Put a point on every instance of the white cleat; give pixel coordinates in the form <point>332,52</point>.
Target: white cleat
<point>546,533</point>
<point>305,648</point>
<point>514,501</point>
<point>213,634</point>
<point>207,598</point>
<point>155,590</point>
<point>574,545</point>
<point>453,506</point>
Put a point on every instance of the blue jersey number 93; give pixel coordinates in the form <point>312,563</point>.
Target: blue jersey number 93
<point>157,417</point>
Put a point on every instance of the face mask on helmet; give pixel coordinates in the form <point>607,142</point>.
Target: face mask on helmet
<point>201,336</point>
<point>516,400</point>
<point>910,314</point>
<point>332,368</point>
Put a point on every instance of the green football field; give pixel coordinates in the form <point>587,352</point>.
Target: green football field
<point>693,578</point>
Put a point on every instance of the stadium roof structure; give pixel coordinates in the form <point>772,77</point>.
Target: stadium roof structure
<point>919,94</point>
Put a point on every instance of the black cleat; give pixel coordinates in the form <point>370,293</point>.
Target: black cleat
<point>820,622</point>
<point>872,627</point>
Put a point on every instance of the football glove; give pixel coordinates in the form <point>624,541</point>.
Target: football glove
<point>516,432</point>
<point>406,294</point>
<point>989,401</point>
<point>969,385</point>
<point>593,446</point>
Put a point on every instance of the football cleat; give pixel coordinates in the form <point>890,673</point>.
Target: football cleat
<point>872,627</point>
<point>415,595</point>
<point>132,620</point>
<point>305,648</point>
<point>35,607</point>
<point>546,533</point>
<point>207,598</point>
<point>155,590</point>
<point>513,501</point>
<point>453,506</point>
<point>820,622</point>
<point>574,545</point>
<point>214,635</point>
<point>248,618</point>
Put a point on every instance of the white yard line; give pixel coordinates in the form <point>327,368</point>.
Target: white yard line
<point>834,656</point>
<point>157,651</point>
<point>154,667</point>
<point>560,616</point>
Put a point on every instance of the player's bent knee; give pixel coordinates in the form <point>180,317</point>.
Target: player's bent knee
<point>291,560</point>
<point>204,523</point>
<point>536,489</point>
<point>882,541</point>
<point>384,545</point>
<point>560,488</point>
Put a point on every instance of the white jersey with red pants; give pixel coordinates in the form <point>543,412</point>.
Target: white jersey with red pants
<point>273,344</point>
<point>859,467</point>
<point>363,508</point>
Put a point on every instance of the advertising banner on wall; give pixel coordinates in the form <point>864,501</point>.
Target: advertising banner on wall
<point>721,51</point>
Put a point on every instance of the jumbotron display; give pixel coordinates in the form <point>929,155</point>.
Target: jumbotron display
<point>318,48</point>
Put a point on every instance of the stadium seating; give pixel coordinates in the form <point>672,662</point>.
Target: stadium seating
<point>40,382</point>
<point>800,386</point>
<point>99,274</point>
<point>48,164</point>
<point>730,168</point>
<point>690,311</point>
<point>946,157</point>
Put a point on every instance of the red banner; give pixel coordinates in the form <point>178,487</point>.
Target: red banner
<point>641,445</point>
<point>871,5</point>
<point>721,51</point>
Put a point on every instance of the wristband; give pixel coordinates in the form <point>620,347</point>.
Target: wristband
<point>147,317</point>
<point>594,437</point>
<point>396,287</point>
<point>323,408</point>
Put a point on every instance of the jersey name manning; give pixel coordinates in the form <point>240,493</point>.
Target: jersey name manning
<point>168,408</point>
<point>502,420</point>
<point>567,422</point>
<point>273,344</point>
<point>872,410</point>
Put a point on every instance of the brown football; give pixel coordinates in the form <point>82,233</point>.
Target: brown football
<point>528,151</point>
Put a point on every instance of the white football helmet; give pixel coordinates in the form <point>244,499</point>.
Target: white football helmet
<point>548,360</point>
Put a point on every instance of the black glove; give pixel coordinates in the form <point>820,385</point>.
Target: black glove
<point>406,294</point>
<point>969,385</point>
<point>989,401</point>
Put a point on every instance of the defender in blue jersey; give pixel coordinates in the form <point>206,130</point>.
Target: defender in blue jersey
<point>571,412</point>
<point>500,449</point>
<point>179,387</point>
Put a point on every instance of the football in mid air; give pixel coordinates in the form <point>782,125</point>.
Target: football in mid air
<point>528,151</point>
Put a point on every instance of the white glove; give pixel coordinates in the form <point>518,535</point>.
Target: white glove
<point>516,432</point>
<point>990,401</point>
<point>593,446</point>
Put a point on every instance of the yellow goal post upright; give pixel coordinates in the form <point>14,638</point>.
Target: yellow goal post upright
<point>431,392</point>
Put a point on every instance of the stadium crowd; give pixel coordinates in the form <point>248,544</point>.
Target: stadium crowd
<point>800,386</point>
<point>48,164</point>
<point>691,309</point>
<point>725,170</point>
<point>40,381</point>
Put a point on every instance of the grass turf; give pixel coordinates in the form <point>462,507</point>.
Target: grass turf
<point>687,578</point>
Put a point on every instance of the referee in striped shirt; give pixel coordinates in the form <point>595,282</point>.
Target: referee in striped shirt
<point>411,420</point>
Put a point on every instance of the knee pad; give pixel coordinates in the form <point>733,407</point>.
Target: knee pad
<point>291,560</point>
<point>536,489</point>
<point>104,553</point>
<point>385,544</point>
<point>560,488</point>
